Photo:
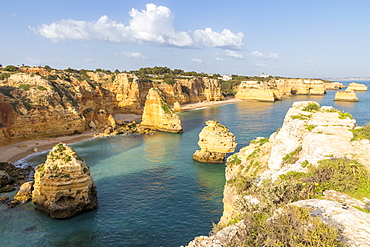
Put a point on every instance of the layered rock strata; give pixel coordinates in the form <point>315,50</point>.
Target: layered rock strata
<point>357,86</point>
<point>215,141</point>
<point>346,95</point>
<point>63,184</point>
<point>313,155</point>
<point>34,102</point>
<point>273,89</point>
<point>158,115</point>
<point>255,91</point>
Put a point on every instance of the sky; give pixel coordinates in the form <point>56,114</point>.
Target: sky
<point>290,38</point>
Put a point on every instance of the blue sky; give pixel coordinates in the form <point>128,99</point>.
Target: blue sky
<point>292,38</point>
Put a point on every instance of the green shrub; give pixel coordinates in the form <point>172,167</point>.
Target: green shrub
<point>234,160</point>
<point>310,127</point>
<point>361,133</point>
<point>42,88</point>
<point>301,117</point>
<point>10,68</point>
<point>4,76</point>
<point>25,87</point>
<point>344,115</point>
<point>292,157</point>
<point>311,107</point>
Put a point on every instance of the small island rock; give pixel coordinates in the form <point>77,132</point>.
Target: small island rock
<point>63,184</point>
<point>346,95</point>
<point>215,141</point>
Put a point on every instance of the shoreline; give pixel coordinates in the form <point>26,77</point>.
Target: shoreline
<point>17,151</point>
<point>200,105</point>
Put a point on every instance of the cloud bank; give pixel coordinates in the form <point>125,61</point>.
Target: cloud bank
<point>154,25</point>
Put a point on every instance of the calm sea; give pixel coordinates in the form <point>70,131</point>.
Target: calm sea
<point>151,192</point>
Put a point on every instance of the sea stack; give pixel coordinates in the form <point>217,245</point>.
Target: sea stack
<point>346,95</point>
<point>158,115</point>
<point>215,141</point>
<point>357,86</point>
<point>63,184</point>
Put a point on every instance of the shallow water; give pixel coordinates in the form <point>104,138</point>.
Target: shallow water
<point>151,192</point>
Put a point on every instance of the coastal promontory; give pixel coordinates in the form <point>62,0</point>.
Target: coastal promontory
<point>307,183</point>
<point>63,185</point>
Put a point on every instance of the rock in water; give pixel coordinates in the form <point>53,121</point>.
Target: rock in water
<point>215,141</point>
<point>25,192</point>
<point>63,185</point>
<point>158,115</point>
<point>346,95</point>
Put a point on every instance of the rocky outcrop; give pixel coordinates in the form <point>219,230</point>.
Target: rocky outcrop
<point>315,154</point>
<point>32,103</point>
<point>158,115</point>
<point>63,184</point>
<point>257,91</point>
<point>273,89</point>
<point>12,177</point>
<point>346,95</point>
<point>357,86</point>
<point>177,107</point>
<point>215,141</point>
<point>24,193</point>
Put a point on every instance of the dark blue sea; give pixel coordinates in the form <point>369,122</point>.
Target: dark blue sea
<point>151,192</point>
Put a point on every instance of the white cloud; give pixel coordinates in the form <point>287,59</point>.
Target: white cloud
<point>33,62</point>
<point>234,54</point>
<point>270,55</point>
<point>153,25</point>
<point>219,59</point>
<point>196,60</point>
<point>88,59</point>
<point>133,55</point>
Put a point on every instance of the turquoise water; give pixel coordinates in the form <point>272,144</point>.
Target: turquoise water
<point>151,192</point>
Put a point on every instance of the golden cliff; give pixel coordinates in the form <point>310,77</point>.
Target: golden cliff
<point>215,141</point>
<point>306,183</point>
<point>357,86</point>
<point>63,185</point>
<point>40,103</point>
<point>158,115</point>
<point>273,89</point>
<point>346,95</point>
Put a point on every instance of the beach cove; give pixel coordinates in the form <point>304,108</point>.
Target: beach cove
<point>151,192</point>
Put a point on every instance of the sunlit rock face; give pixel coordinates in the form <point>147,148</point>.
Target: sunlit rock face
<point>63,184</point>
<point>357,86</point>
<point>215,141</point>
<point>346,95</point>
<point>158,115</point>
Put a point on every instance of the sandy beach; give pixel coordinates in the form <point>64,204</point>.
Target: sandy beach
<point>17,151</point>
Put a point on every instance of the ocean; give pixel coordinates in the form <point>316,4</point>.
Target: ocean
<point>151,192</point>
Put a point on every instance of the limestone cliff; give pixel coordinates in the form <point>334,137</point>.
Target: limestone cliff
<point>63,184</point>
<point>158,115</point>
<point>274,88</point>
<point>317,153</point>
<point>33,101</point>
<point>215,141</point>
<point>257,91</point>
<point>346,95</point>
<point>357,86</point>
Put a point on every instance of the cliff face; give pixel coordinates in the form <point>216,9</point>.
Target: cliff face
<point>273,89</point>
<point>276,180</point>
<point>158,115</point>
<point>46,104</point>
<point>257,91</point>
<point>215,141</point>
<point>63,185</point>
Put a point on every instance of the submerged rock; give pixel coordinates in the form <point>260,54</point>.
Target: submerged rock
<point>215,141</point>
<point>158,115</point>
<point>63,185</point>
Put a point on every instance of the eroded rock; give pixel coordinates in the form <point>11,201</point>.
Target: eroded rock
<point>63,184</point>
